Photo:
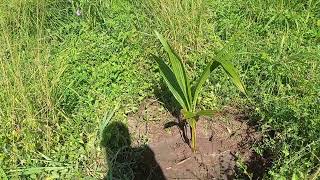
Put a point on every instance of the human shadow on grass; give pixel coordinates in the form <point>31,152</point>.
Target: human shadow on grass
<point>126,162</point>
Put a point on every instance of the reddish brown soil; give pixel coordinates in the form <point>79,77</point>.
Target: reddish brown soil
<point>220,141</point>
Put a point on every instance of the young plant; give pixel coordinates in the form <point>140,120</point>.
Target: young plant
<point>179,84</point>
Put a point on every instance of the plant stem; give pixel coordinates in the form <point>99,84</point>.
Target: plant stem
<point>193,135</point>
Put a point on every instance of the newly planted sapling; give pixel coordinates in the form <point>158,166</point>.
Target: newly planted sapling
<point>186,94</point>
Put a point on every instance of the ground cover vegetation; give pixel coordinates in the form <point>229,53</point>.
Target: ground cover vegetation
<point>65,65</point>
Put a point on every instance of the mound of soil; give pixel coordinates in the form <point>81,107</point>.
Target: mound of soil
<point>220,141</point>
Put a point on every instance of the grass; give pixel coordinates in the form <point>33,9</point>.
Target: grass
<point>183,22</point>
<point>60,73</point>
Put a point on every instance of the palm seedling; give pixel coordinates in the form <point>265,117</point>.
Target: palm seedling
<point>186,94</point>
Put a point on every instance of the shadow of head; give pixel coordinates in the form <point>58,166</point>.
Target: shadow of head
<point>124,161</point>
<point>115,137</point>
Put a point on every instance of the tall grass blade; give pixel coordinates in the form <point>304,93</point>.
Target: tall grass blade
<point>107,119</point>
<point>171,81</point>
<point>178,70</point>
<point>37,170</point>
<point>3,174</point>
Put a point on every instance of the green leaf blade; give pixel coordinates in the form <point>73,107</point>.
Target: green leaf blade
<point>200,82</point>
<point>171,82</point>
<point>233,74</point>
<point>206,112</point>
<point>178,69</point>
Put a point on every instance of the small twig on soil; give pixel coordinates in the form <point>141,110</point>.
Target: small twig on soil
<point>183,161</point>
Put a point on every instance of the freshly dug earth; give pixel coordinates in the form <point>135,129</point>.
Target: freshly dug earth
<point>221,140</point>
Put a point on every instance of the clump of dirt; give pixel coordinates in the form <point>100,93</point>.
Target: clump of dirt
<point>220,141</point>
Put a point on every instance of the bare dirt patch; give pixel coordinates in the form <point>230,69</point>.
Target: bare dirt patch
<point>220,141</point>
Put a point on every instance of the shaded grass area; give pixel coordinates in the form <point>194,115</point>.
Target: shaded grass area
<point>61,72</point>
